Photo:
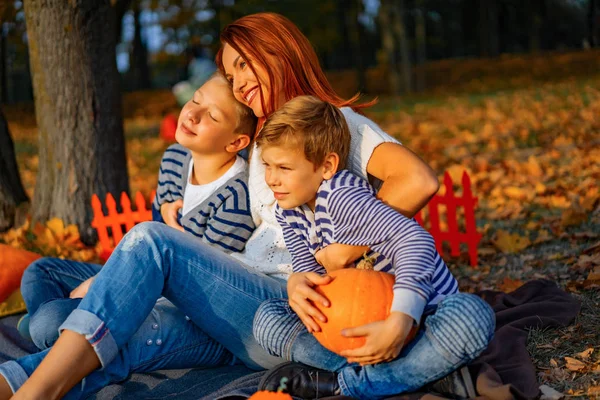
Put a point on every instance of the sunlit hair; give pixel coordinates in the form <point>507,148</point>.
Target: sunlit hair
<point>256,35</point>
<point>307,123</point>
<point>246,121</point>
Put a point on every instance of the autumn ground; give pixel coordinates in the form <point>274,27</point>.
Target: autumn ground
<point>533,154</point>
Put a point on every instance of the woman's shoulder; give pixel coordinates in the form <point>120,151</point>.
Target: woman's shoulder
<point>361,125</point>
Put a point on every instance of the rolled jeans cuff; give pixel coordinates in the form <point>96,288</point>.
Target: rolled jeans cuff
<point>14,374</point>
<point>96,333</point>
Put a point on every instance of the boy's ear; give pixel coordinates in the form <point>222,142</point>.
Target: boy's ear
<point>330,165</point>
<point>241,142</point>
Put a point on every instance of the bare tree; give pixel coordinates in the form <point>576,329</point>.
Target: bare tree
<point>78,108</point>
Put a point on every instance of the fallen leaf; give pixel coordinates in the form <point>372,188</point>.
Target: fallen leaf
<point>510,243</point>
<point>594,275</point>
<point>585,355</point>
<point>574,364</point>
<point>593,391</point>
<point>553,362</point>
<point>508,284</point>
<point>549,393</point>
<point>574,216</point>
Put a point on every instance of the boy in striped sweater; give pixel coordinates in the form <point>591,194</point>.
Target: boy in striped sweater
<point>202,175</point>
<point>304,148</point>
<point>202,182</point>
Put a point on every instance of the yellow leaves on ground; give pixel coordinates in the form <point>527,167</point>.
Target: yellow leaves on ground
<point>510,242</point>
<point>51,239</point>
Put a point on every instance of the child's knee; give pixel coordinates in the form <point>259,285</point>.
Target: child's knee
<point>44,324</point>
<point>272,322</point>
<point>464,324</point>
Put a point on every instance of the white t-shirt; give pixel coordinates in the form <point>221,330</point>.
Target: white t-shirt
<point>265,250</point>
<point>196,194</point>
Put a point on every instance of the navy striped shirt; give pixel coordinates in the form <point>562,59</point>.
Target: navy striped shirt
<point>348,212</point>
<point>222,220</point>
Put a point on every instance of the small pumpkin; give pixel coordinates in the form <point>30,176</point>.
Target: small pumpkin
<point>13,263</point>
<point>357,296</point>
<point>278,395</point>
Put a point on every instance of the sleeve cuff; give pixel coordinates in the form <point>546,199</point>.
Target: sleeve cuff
<point>408,302</point>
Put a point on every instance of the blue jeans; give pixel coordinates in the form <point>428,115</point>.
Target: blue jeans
<point>458,331</point>
<point>218,293</point>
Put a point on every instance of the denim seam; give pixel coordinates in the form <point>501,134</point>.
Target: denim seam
<point>293,336</point>
<point>344,389</point>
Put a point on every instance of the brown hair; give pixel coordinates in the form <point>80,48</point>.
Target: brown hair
<point>256,35</point>
<point>246,121</point>
<point>309,123</point>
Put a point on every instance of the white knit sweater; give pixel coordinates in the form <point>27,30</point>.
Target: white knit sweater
<point>265,250</point>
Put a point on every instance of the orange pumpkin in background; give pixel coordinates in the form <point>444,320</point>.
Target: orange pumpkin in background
<point>13,262</point>
<point>357,297</point>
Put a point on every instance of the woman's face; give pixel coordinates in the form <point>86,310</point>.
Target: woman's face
<point>246,84</point>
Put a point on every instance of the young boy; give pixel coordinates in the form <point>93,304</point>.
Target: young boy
<point>202,175</point>
<point>304,146</point>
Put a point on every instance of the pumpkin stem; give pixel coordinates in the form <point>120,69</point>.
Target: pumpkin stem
<point>366,262</point>
<point>282,385</point>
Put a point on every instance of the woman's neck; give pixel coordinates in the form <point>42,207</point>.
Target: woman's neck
<point>209,168</point>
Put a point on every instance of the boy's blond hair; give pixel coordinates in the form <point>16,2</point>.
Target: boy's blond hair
<point>246,121</point>
<point>309,123</point>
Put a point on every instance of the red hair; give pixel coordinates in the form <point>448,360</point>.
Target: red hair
<point>256,35</point>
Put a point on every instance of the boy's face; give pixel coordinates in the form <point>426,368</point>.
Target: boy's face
<point>207,122</point>
<point>293,179</point>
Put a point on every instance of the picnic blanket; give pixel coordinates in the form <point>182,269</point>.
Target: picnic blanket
<point>503,371</point>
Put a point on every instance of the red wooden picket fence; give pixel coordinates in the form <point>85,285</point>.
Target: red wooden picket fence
<point>118,222</point>
<point>454,231</point>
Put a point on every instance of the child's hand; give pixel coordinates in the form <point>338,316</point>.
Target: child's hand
<point>301,296</point>
<point>80,291</point>
<point>337,256</point>
<point>384,339</point>
<point>169,211</point>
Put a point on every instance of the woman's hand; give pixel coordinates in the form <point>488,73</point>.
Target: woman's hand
<point>337,256</point>
<point>80,291</point>
<point>302,296</point>
<point>384,339</point>
<point>169,211</point>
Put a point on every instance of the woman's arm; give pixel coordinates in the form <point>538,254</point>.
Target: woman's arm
<point>408,182</point>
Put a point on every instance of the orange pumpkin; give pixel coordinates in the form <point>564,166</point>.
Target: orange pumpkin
<point>357,297</point>
<point>278,395</point>
<point>13,262</point>
<point>266,395</point>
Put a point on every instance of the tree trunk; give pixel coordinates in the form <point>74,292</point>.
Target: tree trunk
<point>3,66</point>
<point>389,46</point>
<point>78,108</point>
<point>400,33</point>
<point>420,42</point>
<point>535,12</point>
<point>351,22</point>
<point>139,70</point>
<point>12,195</point>
<point>592,24</point>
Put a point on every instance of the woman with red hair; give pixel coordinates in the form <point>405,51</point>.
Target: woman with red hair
<point>268,62</point>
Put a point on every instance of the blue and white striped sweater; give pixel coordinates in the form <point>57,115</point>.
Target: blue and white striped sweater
<point>222,220</point>
<point>347,212</point>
